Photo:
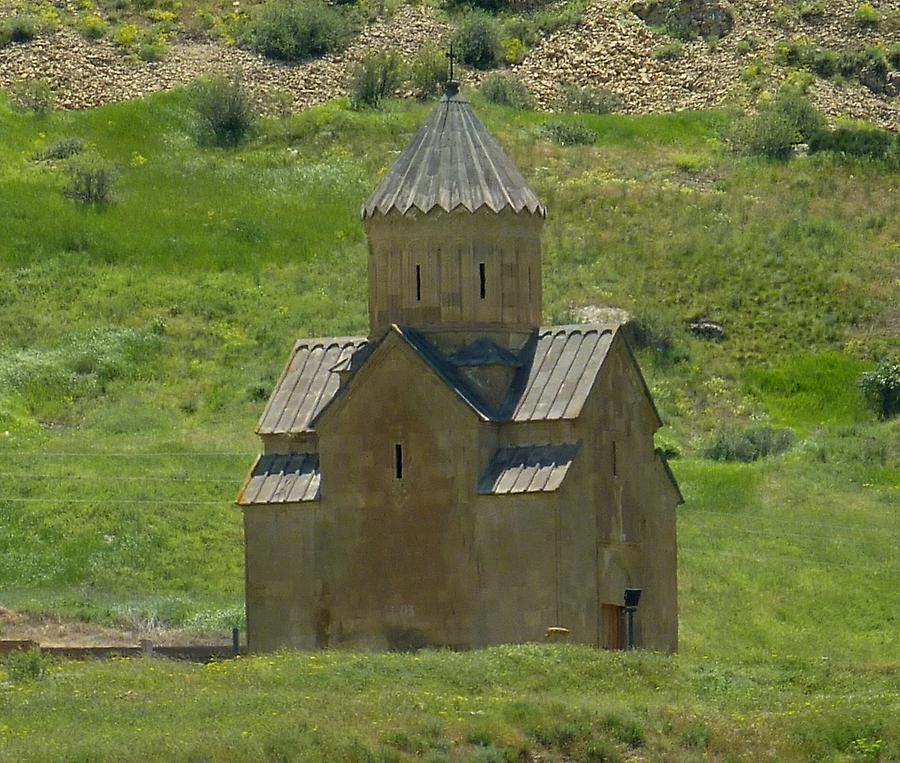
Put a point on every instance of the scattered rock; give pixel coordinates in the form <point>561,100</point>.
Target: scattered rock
<point>707,329</point>
<point>603,315</point>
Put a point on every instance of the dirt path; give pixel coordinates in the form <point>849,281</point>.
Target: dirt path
<point>54,631</point>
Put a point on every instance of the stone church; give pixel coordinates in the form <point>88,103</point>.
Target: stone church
<point>462,476</point>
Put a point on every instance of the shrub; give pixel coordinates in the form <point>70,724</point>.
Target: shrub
<point>867,16</point>
<point>376,77</point>
<point>428,72</point>
<point>224,108</point>
<point>506,90</point>
<point>91,180</point>
<point>292,30</point>
<point>26,665</point>
<point>126,35</point>
<point>514,50</point>
<point>811,10</point>
<point>749,444</point>
<point>824,62</point>
<point>34,95</point>
<point>746,45</point>
<point>881,388</point>
<point>655,331</point>
<point>893,56</point>
<point>589,100</point>
<point>153,48</point>
<point>93,27</point>
<point>777,127</point>
<point>668,52</point>
<point>478,40</point>
<point>569,133</point>
<point>485,5</point>
<point>21,28</point>
<point>63,149</point>
<point>860,141</point>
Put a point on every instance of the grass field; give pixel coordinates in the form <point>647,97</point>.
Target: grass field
<point>138,342</point>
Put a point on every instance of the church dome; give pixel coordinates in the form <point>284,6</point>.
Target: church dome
<point>452,163</point>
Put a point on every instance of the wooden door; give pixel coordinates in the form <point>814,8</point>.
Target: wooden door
<point>612,627</point>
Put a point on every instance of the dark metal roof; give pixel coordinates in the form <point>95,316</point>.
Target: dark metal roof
<point>452,162</point>
<point>484,352</point>
<point>555,381</point>
<point>307,384</point>
<point>282,478</point>
<point>527,469</point>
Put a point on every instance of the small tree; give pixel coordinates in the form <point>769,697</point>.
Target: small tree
<point>428,71</point>
<point>376,77</point>
<point>478,40</point>
<point>224,108</point>
<point>882,389</point>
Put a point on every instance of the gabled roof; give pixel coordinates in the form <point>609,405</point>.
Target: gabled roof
<point>557,379</point>
<point>277,478</point>
<point>307,384</point>
<point>527,469</point>
<point>452,162</point>
<point>556,371</point>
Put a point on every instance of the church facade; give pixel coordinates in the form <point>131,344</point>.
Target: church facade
<point>462,476</point>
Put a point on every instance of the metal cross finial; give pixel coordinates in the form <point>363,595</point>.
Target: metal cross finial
<point>450,56</point>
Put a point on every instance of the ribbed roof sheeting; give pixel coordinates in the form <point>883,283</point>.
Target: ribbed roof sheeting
<point>282,478</point>
<point>527,469</point>
<point>307,385</point>
<point>557,381</point>
<point>453,162</point>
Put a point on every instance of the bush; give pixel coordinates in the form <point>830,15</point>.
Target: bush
<point>671,51</point>
<point>63,149</point>
<point>749,444</point>
<point>506,90</point>
<point>893,56</point>
<point>811,10</point>
<point>569,133</point>
<point>514,51</point>
<point>589,100</point>
<point>34,95</point>
<point>224,108</point>
<point>867,16</point>
<point>861,141</point>
<point>126,36</point>
<point>26,665</point>
<point>881,388</point>
<point>746,45</point>
<point>428,72</point>
<point>91,180</point>
<point>93,27</point>
<point>292,30</point>
<point>477,40</point>
<point>824,62</point>
<point>778,126</point>
<point>376,77</point>
<point>153,48</point>
<point>20,28</point>
<point>658,332</point>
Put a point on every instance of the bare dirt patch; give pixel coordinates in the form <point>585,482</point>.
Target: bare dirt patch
<point>51,630</point>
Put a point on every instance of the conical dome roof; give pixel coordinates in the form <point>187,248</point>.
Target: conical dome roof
<point>453,162</point>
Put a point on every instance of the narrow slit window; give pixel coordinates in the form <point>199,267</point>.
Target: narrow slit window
<point>398,461</point>
<point>481,275</point>
<point>418,283</point>
<point>614,464</point>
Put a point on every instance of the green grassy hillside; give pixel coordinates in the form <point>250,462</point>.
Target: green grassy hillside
<point>139,341</point>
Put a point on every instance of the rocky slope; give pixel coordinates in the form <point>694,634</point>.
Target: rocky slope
<point>612,48</point>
